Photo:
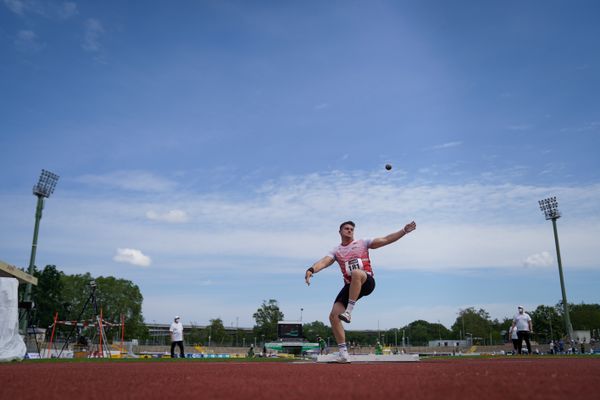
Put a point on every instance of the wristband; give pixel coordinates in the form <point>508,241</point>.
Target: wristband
<point>311,269</point>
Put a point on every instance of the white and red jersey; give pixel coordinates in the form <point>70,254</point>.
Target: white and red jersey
<point>355,255</point>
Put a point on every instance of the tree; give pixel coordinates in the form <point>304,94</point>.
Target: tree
<point>194,336</point>
<point>47,295</point>
<point>548,323</point>
<point>217,330</point>
<point>421,332</point>
<point>122,297</point>
<point>362,338</point>
<point>477,325</point>
<point>113,296</point>
<point>314,329</point>
<point>503,328</point>
<point>267,317</point>
<point>585,316</point>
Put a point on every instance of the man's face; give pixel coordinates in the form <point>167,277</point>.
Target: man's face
<point>520,311</point>
<point>347,231</point>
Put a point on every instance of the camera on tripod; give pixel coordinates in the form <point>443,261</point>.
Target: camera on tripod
<point>96,325</point>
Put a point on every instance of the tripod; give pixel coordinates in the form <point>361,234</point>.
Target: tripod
<point>103,345</point>
<point>28,308</point>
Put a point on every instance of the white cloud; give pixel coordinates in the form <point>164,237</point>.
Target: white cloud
<point>132,256</point>
<point>585,127</point>
<point>173,216</point>
<point>50,10</point>
<point>92,35</point>
<point>286,224</point>
<point>67,10</point>
<point>294,221</point>
<point>447,145</point>
<point>139,181</point>
<point>521,127</point>
<point>16,6</point>
<point>27,41</point>
<point>543,259</point>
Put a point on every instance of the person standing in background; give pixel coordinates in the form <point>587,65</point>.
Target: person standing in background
<point>176,330</point>
<point>522,323</point>
<point>512,332</point>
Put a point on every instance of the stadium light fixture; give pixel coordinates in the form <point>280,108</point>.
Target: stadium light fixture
<point>42,189</point>
<point>46,184</point>
<point>549,207</point>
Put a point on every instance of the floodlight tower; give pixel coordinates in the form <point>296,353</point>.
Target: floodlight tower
<point>549,207</point>
<point>43,189</point>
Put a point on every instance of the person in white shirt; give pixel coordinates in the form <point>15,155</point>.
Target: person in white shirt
<point>522,323</point>
<point>514,337</point>
<point>176,330</point>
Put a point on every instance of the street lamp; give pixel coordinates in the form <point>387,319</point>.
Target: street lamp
<point>548,316</point>
<point>43,189</point>
<point>549,207</point>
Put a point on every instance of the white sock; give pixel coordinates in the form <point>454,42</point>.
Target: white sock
<point>350,306</point>
<point>342,347</point>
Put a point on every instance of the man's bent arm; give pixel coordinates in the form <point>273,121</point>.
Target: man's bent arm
<point>392,237</point>
<point>319,265</point>
<point>322,263</point>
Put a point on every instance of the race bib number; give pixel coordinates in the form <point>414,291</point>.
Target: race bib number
<point>351,265</point>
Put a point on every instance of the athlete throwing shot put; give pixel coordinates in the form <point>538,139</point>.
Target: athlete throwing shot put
<point>353,259</point>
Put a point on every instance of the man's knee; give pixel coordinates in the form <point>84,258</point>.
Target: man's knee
<point>359,274</point>
<point>333,317</point>
<point>338,308</point>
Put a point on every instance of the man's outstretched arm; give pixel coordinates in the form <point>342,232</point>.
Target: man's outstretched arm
<point>316,267</point>
<point>392,237</point>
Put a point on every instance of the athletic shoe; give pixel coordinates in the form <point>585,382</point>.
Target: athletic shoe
<point>343,358</point>
<point>345,316</point>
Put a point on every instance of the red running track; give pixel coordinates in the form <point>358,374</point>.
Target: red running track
<point>464,379</point>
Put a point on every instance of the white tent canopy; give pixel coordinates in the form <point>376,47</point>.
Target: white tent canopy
<point>12,346</point>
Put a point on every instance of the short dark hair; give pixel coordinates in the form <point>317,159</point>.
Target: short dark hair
<point>347,223</point>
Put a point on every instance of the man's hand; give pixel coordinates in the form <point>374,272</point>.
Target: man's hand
<point>410,227</point>
<point>307,276</point>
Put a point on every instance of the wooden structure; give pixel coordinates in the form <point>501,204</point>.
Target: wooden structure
<point>10,271</point>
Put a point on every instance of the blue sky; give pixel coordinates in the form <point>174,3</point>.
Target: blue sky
<point>208,150</point>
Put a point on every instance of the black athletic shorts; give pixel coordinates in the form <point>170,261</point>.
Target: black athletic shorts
<point>365,290</point>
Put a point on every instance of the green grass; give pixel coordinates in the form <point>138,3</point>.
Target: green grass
<point>287,360</point>
<point>154,360</point>
<point>513,357</point>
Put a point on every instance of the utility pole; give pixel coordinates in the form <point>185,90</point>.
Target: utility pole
<point>43,189</point>
<point>549,207</point>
